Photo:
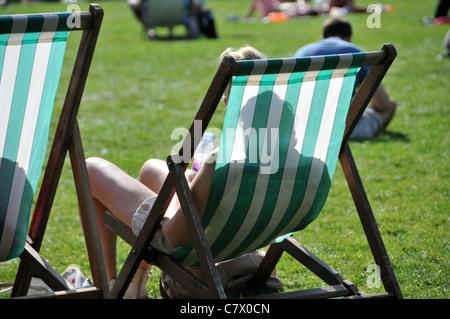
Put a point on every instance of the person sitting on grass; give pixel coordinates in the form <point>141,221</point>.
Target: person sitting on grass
<point>337,34</point>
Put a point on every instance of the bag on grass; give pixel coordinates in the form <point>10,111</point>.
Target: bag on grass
<point>235,274</point>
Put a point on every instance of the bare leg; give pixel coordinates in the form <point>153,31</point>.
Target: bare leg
<point>116,191</point>
<point>264,7</point>
<point>251,10</point>
<point>108,241</point>
<point>153,174</point>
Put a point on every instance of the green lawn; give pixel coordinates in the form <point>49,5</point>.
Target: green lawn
<point>139,91</point>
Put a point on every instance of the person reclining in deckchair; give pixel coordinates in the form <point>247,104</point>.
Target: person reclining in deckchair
<point>131,200</point>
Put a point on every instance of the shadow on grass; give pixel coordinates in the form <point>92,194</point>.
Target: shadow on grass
<point>387,136</point>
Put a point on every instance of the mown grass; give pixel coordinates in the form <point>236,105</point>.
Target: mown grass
<point>139,91</point>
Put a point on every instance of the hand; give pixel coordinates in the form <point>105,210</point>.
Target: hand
<point>190,174</point>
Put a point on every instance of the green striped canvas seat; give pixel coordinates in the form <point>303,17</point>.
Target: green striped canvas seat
<point>287,122</point>
<point>279,147</point>
<point>165,13</point>
<point>31,54</point>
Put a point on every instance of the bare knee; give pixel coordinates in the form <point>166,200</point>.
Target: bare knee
<point>150,165</point>
<point>147,169</point>
<point>93,165</point>
<point>95,168</point>
<point>153,174</point>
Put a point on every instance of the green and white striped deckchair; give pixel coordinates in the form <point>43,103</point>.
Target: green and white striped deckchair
<point>280,142</point>
<point>32,49</point>
<point>286,124</point>
<point>163,13</point>
<point>31,59</point>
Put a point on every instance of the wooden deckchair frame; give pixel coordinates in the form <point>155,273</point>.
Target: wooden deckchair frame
<point>211,287</point>
<point>67,138</point>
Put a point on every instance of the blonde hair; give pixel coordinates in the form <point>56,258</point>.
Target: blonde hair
<point>244,53</point>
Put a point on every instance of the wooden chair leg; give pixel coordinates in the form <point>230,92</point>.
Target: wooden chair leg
<point>87,212</point>
<point>301,254</point>
<point>32,263</point>
<point>196,231</point>
<point>368,222</point>
<point>311,261</point>
<point>266,267</point>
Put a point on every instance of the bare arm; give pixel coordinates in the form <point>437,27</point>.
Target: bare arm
<point>174,224</point>
<point>384,105</point>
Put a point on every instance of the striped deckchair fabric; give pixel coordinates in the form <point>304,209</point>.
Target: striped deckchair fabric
<point>286,124</point>
<point>280,142</point>
<point>32,48</point>
<point>165,13</point>
<point>31,54</point>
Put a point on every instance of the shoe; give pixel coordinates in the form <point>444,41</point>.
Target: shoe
<point>137,288</point>
<point>75,277</point>
<point>441,20</point>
